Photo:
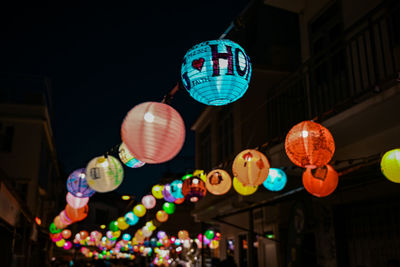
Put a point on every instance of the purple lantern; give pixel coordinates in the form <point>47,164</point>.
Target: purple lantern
<point>77,184</point>
<point>167,193</point>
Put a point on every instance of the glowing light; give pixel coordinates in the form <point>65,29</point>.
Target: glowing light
<point>125,197</point>
<point>38,221</point>
<point>103,226</point>
<point>149,117</point>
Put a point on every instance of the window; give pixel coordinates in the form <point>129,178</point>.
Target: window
<point>205,148</point>
<point>6,137</point>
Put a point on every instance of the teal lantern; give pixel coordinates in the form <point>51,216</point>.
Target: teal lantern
<point>276,180</point>
<point>216,72</point>
<point>169,207</point>
<point>175,189</point>
<point>131,218</point>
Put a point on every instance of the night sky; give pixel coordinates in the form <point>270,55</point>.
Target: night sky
<point>105,59</point>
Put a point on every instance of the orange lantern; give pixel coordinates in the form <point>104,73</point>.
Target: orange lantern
<point>76,215</point>
<point>309,145</point>
<point>161,216</point>
<point>58,223</point>
<point>83,234</point>
<point>194,189</point>
<point>66,233</point>
<point>179,201</point>
<point>320,182</point>
<point>218,182</point>
<point>183,234</point>
<point>251,167</point>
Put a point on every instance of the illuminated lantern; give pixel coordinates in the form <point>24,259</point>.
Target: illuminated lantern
<point>76,202</point>
<point>161,216</point>
<point>201,174</point>
<point>149,202</point>
<point>214,244</point>
<point>64,218</point>
<point>321,181</point>
<point>183,234</point>
<point>139,236</point>
<point>242,189</point>
<point>96,235</point>
<point>66,233</point>
<point>218,182</point>
<point>209,234</point>
<point>131,218</point>
<point>167,194</point>
<point>151,226</point>
<point>83,234</point>
<point>58,223</point>
<point>122,223</point>
<point>186,176</point>
<point>76,214</point>
<point>139,210</point>
<point>251,167</point>
<point>194,189</point>
<point>104,174</point>
<point>77,184</point>
<point>126,237</point>
<point>216,72</point>
<point>153,132</point>
<point>166,242</point>
<point>127,158</point>
<point>390,165</point>
<point>56,237</point>
<point>157,191</point>
<point>276,180</point>
<point>67,245</point>
<point>179,201</point>
<point>116,234</point>
<point>169,208</point>
<point>176,189</point>
<point>113,226</point>
<point>109,235</point>
<point>309,145</point>
<point>60,243</point>
<point>161,234</point>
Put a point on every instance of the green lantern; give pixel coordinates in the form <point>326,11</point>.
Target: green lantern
<point>53,229</point>
<point>209,234</point>
<point>169,207</point>
<point>113,226</point>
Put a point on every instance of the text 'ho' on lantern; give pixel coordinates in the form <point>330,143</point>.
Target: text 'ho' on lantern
<point>321,181</point>
<point>77,184</point>
<point>104,174</point>
<point>194,189</point>
<point>127,158</point>
<point>250,167</point>
<point>309,145</point>
<point>390,165</point>
<point>276,180</point>
<point>153,132</point>
<point>216,72</point>
<point>242,189</point>
<point>218,182</point>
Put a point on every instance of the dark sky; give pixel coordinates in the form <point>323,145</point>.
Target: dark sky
<point>105,59</point>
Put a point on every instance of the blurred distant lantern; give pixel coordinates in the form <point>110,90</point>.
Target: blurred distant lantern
<point>166,242</point>
<point>64,218</point>
<point>122,223</point>
<point>139,236</point>
<point>390,165</point>
<point>179,201</point>
<point>56,237</point>
<point>161,234</point>
<point>146,232</point>
<point>149,202</point>
<point>126,237</point>
<point>104,174</point>
<point>116,234</point>
<point>161,216</point>
<point>66,233</point>
<point>186,176</point>
<point>151,226</point>
<point>103,226</point>
<point>201,174</point>
<point>83,234</point>
<point>67,245</point>
<point>218,182</point>
<point>76,202</point>
<point>214,244</point>
<point>113,226</point>
<point>109,234</point>
<point>60,243</point>
<point>176,189</point>
<point>77,184</point>
<point>167,193</point>
<point>58,223</point>
<point>153,132</point>
<point>131,218</point>
<point>127,158</point>
<point>242,189</point>
<point>139,210</point>
<point>169,208</point>
<point>125,197</point>
<point>321,181</point>
<point>76,215</point>
<point>309,145</point>
<point>194,189</point>
<point>38,221</point>
<point>216,72</point>
<point>209,234</point>
<point>276,180</point>
<point>250,167</point>
<point>157,191</point>
<point>96,235</point>
<point>183,234</point>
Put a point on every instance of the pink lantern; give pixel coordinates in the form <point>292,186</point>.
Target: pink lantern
<point>76,202</point>
<point>67,245</point>
<point>153,132</point>
<point>149,202</point>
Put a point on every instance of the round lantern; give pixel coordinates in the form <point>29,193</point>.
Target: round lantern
<point>77,184</point>
<point>157,191</point>
<point>176,189</point>
<point>209,234</point>
<point>60,243</point>
<point>104,174</point>
<point>66,233</point>
<point>126,237</point>
<point>194,189</point>
<point>390,165</point>
<point>122,223</point>
<point>131,218</point>
<point>56,237</point>
<point>183,234</point>
<point>309,145</point>
<point>139,210</point>
<point>276,180</point>
<point>242,189</point>
<point>113,226</point>
<point>67,245</point>
<point>214,244</point>
<point>76,214</point>
<point>201,174</point>
<point>116,234</point>
<point>179,201</point>
<point>321,181</point>
<point>58,223</point>
<point>76,202</point>
<point>149,202</point>
<point>127,158</point>
<point>161,216</point>
<point>161,234</point>
<point>153,132</point>
<point>218,182</point>
<point>169,208</point>
<point>216,72</point>
<point>167,194</point>
<point>250,167</point>
<point>64,218</point>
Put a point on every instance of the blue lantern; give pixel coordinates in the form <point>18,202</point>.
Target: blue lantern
<point>131,218</point>
<point>276,180</point>
<point>126,237</point>
<point>176,189</point>
<point>216,72</point>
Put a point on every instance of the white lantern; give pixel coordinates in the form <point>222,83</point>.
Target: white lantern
<point>104,174</point>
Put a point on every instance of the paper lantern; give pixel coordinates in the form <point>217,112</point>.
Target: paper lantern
<point>169,208</point>
<point>126,237</point>
<point>66,233</point>
<point>139,210</point>
<point>77,184</point>
<point>194,189</point>
<point>309,145</point>
<point>153,132</point>
<point>214,244</point>
<point>161,216</point>
<point>276,180</point>
<point>209,234</point>
<point>390,165</point>
<point>76,214</point>
<point>76,202</point>
<point>58,223</point>
<point>104,174</point>
<point>167,194</point>
<point>67,245</point>
<point>116,234</point>
<point>321,181</point>
<point>56,237</point>
<point>242,189</point>
<point>176,189</point>
<point>127,158</point>
<point>183,234</point>
<point>122,223</point>
<point>96,235</point>
<point>157,191</point>
<point>64,218</point>
<point>179,201</point>
<point>149,202</point>
<point>60,243</point>
<point>113,226</point>
<point>218,182</point>
<point>251,167</point>
<point>150,226</point>
<point>161,234</point>
<point>131,218</point>
<point>201,174</point>
<point>216,72</point>
<point>83,234</point>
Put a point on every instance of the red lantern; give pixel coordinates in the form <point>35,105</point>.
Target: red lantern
<point>194,189</point>
<point>83,234</point>
<point>153,132</point>
<point>76,214</point>
<point>320,182</point>
<point>309,145</point>
<point>66,233</point>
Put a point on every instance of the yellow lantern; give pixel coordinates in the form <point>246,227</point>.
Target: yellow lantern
<point>157,191</point>
<point>214,244</point>
<point>201,174</point>
<point>151,226</point>
<point>139,210</point>
<point>218,182</point>
<point>251,167</point>
<point>242,189</point>
<point>390,165</point>
<point>60,243</point>
<point>121,223</point>
<point>116,234</point>
<point>183,234</point>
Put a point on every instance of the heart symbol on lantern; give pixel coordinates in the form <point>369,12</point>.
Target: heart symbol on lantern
<point>198,64</point>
